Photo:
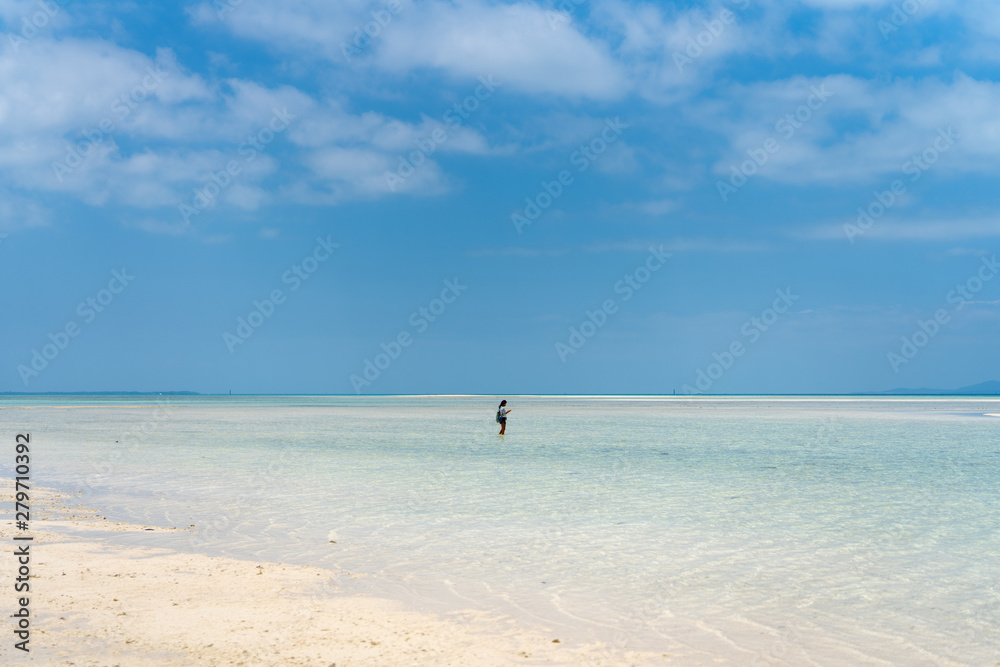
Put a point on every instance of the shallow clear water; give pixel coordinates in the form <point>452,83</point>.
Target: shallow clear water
<point>753,530</point>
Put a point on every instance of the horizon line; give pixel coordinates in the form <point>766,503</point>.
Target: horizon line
<point>915,392</point>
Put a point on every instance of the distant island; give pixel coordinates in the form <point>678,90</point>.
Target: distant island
<point>99,393</point>
<point>990,388</point>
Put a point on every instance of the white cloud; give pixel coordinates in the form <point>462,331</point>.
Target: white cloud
<point>72,85</point>
<point>179,127</point>
<point>69,99</point>
<point>112,126</point>
<point>657,207</point>
<point>346,172</point>
<point>519,43</point>
<point>684,244</point>
<point>176,227</point>
<point>866,130</point>
<point>517,251</point>
<point>846,4</point>
<point>17,212</point>
<point>959,252</point>
<point>670,54</point>
<point>246,197</point>
<point>897,229</point>
<point>27,19</point>
<point>351,155</point>
<point>296,25</point>
<point>332,125</point>
<point>619,158</point>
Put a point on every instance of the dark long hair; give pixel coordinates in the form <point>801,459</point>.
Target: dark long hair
<point>502,403</point>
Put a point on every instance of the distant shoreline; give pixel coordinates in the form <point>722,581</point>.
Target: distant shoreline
<point>105,393</point>
<point>942,393</point>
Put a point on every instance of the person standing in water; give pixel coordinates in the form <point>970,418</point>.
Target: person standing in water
<point>502,416</point>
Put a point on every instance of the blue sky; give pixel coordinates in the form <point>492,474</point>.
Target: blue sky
<point>499,197</point>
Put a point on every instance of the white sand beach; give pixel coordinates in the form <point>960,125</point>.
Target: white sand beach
<point>96,603</point>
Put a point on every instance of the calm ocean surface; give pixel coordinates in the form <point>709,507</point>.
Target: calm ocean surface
<point>785,531</point>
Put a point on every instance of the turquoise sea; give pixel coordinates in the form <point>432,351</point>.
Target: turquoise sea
<point>742,530</point>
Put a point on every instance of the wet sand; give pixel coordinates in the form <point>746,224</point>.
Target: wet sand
<point>95,602</point>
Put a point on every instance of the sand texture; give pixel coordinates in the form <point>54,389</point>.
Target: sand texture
<point>95,602</point>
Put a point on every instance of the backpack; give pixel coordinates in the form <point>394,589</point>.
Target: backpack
<point>498,416</point>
